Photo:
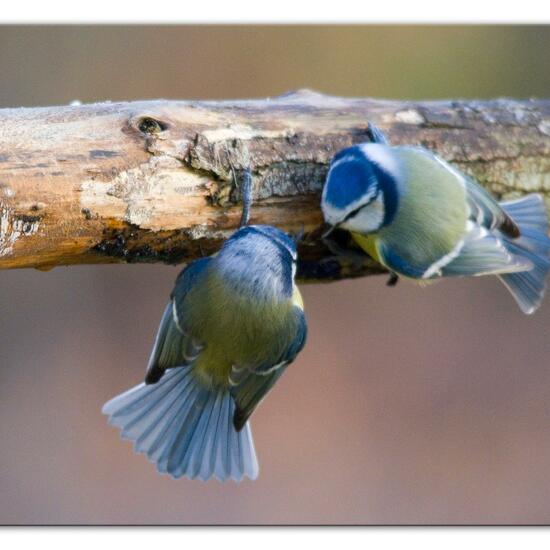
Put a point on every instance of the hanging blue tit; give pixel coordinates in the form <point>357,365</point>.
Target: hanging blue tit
<point>423,219</point>
<point>234,323</point>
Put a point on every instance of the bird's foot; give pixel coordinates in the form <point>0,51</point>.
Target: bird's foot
<point>393,279</point>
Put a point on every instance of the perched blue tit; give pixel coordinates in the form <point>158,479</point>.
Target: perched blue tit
<point>234,323</point>
<point>423,219</point>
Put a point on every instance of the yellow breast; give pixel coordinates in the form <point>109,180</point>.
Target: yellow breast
<point>297,298</point>
<point>368,244</point>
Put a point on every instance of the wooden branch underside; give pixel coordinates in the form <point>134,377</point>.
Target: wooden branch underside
<point>154,181</point>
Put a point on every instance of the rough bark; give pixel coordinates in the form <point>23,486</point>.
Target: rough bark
<point>154,181</point>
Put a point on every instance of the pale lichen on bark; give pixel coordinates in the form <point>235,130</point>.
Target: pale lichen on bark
<point>159,180</point>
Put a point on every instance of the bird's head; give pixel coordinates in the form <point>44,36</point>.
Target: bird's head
<point>260,260</point>
<point>361,189</point>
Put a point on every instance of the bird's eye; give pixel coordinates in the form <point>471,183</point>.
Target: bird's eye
<point>371,198</point>
<point>354,212</point>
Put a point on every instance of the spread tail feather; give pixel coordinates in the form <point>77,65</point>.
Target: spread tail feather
<point>528,287</point>
<point>185,428</point>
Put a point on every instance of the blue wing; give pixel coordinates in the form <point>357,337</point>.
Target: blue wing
<point>173,346</point>
<point>484,253</point>
<point>486,212</point>
<point>396,263</point>
<point>250,385</point>
<point>484,250</point>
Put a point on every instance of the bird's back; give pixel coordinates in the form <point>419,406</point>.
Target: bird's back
<point>237,329</point>
<point>431,215</point>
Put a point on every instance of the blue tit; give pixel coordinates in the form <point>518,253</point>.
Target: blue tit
<point>423,219</point>
<point>234,323</point>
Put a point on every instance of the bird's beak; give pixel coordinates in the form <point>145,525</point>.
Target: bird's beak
<point>329,231</point>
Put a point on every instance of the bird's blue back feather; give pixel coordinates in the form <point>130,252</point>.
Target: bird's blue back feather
<point>398,264</point>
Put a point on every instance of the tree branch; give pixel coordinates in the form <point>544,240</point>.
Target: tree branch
<point>153,181</point>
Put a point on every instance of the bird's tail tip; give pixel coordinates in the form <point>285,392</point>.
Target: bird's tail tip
<point>185,429</point>
<point>529,287</point>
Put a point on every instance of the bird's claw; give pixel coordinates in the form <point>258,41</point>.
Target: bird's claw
<point>393,279</point>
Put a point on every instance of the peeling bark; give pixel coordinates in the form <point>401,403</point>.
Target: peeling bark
<point>154,181</point>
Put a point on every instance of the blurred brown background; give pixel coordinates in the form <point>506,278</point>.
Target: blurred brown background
<point>408,405</point>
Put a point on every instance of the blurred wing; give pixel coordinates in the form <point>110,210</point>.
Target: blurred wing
<point>250,385</point>
<point>486,212</point>
<point>173,346</point>
<point>482,253</point>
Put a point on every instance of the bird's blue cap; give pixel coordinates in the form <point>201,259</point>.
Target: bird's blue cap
<point>351,176</point>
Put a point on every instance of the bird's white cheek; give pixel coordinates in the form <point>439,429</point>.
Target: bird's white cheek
<point>331,215</point>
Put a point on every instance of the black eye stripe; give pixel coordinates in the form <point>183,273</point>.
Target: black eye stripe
<point>356,210</point>
<point>353,212</point>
